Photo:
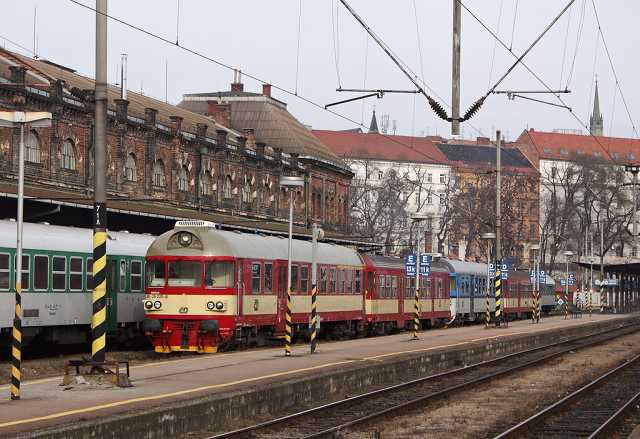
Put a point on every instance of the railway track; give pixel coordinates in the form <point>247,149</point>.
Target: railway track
<point>329,419</point>
<point>607,407</point>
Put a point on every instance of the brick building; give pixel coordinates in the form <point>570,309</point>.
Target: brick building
<point>163,162</point>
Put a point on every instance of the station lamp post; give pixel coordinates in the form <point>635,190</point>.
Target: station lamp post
<point>18,119</point>
<point>489,236</point>
<point>417,218</point>
<point>567,254</point>
<point>291,183</point>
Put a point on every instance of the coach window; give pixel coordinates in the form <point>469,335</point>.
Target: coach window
<point>24,279</point>
<point>255,277</point>
<point>358,286</point>
<point>340,284</point>
<point>389,288</point>
<point>41,273</point>
<point>123,275</point>
<point>136,276</point>
<point>394,286</point>
<point>4,272</point>
<point>268,277</point>
<point>304,280</point>
<point>184,273</point>
<point>294,278</point>
<point>75,273</point>
<point>218,274</point>
<point>349,282</point>
<point>59,273</point>
<point>323,279</point>
<point>440,288</point>
<point>90,274</point>
<point>381,286</point>
<point>333,280</point>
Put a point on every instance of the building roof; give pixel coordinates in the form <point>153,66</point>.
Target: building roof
<point>373,127</point>
<point>483,155</point>
<point>560,146</point>
<point>269,118</point>
<point>42,73</point>
<point>375,146</point>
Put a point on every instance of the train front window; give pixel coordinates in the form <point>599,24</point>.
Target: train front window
<point>155,274</point>
<point>185,274</point>
<point>218,274</point>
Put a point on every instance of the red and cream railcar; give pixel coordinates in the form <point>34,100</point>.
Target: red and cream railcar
<point>208,287</point>
<point>518,294</point>
<point>390,296</point>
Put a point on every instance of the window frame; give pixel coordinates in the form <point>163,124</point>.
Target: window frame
<point>46,257</point>
<point>88,278</point>
<point>257,290</point>
<point>122,276</point>
<point>333,279</point>
<point>159,179</point>
<point>134,275</point>
<point>7,270</point>
<point>323,279</point>
<point>76,273</point>
<point>304,279</point>
<point>264,282</point>
<point>130,173</point>
<point>55,272</point>
<point>294,278</point>
<point>32,153</point>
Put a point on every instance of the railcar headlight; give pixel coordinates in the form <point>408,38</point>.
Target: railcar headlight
<point>148,304</point>
<point>157,304</point>
<point>185,239</point>
<point>219,305</point>
<point>211,305</point>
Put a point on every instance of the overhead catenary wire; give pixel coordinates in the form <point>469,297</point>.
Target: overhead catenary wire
<point>334,38</point>
<point>577,46</point>
<point>564,48</point>
<point>495,45</point>
<point>513,26</point>
<point>298,48</point>
<point>248,75</point>
<point>26,49</point>
<point>613,69</point>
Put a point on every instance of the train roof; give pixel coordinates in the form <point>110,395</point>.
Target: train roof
<point>253,246</point>
<point>71,239</point>
<point>463,267</point>
<point>394,262</point>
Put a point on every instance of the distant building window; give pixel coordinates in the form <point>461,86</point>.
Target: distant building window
<point>158,174</point>
<point>429,198</point>
<point>631,156</point>
<point>68,155</point>
<point>32,148</point>
<point>564,151</point>
<point>599,154</point>
<point>205,184</point>
<point>443,199</point>
<point>547,150</point>
<point>380,175</point>
<point>429,178</point>
<point>183,184</point>
<point>615,155</point>
<point>130,173</point>
<point>443,178</point>
<point>226,190</point>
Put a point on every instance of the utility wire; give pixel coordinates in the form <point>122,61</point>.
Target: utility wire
<point>336,48</point>
<point>544,84</point>
<point>415,11</point>
<point>178,24</point>
<point>495,44</point>
<point>30,51</point>
<point>615,75</point>
<point>248,75</point>
<point>513,27</point>
<point>298,49</point>
<point>564,50</point>
<point>578,39</point>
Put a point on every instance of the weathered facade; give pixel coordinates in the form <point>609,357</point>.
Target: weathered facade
<point>162,160</point>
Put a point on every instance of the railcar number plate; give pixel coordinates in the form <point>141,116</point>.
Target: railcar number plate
<point>157,296</point>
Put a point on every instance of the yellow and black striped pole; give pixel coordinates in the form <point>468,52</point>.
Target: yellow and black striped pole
<point>314,318</point>
<point>287,326</point>
<point>316,233</point>
<point>416,308</point>
<point>487,314</point>
<point>99,316</point>
<point>498,294</point>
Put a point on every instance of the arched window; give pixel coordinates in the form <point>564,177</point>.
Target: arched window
<point>32,148</point>
<point>205,184</point>
<point>130,172</point>
<point>68,155</point>
<point>246,192</point>
<point>158,174</point>
<point>226,190</point>
<point>183,184</point>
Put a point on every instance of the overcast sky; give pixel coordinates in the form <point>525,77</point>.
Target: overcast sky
<point>261,38</point>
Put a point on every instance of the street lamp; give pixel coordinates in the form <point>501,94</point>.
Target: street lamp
<point>535,316</point>
<point>567,254</point>
<point>417,218</point>
<point>290,182</point>
<point>14,119</point>
<point>488,236</point>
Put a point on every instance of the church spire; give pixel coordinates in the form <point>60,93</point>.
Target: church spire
<point>373,128</point>
<point>595,121</point>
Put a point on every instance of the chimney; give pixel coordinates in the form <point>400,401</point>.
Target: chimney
<point>176,125</point>
<point>18,74</point>
<point>260,146</point>
<point>150,117</point>
<point>221,139</point>
<point>122,109</point>
<point>221,113</point>
<point>237,85</point>
<point>201,130</point>
<point>266,90</point>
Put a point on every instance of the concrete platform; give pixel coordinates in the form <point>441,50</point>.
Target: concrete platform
<point>47,410</point>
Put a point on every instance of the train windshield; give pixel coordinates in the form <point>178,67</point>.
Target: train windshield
<point>185,273</point>
<point>218,274</point>
<point>155,274</point>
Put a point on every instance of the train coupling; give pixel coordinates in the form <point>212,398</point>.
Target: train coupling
<point>94,374</point>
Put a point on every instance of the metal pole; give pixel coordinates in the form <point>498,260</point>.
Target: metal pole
<point>416,302</point>
<point>602,293</point>
<point>314,286</point>
<point>487,315</point>
<point>635,209</point>
<point>498,290</point>
<point>288,319</point>
<point>98,320</point>
<point>16,351</point>
<point>455,70</point>
<point>566,291</point>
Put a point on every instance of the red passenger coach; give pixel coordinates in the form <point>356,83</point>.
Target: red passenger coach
<point>208,288</point>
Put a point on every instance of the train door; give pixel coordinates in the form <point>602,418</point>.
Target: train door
<point>116,281</point>
<point>281,288</point>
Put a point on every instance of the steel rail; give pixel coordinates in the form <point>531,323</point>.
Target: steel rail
<point>552,410</point>
<point>247,431</point>
<point>610,424</point>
